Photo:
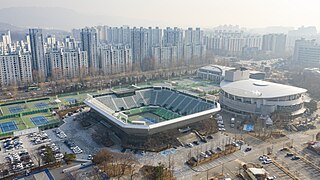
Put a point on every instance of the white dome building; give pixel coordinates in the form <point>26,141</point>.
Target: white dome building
<point>243,96</point>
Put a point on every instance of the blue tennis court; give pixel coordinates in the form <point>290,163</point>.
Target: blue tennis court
<point>8,126</point>
<point>15,109</point>
<point>39,120</point>
<point>71,100</point>
<point>41,105</point>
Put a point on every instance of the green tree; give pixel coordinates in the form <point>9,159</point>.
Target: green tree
<point>49,156</point>
<point>69,157</point>
<point>159,172</point>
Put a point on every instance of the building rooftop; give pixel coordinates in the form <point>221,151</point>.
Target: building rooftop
<point>257,171</point>
<point>252,88</point>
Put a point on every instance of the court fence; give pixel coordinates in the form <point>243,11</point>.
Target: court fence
<point>9,116</point>
<point>50,125</point>
<point>39,99</point>
<point>68,94</point>
<point>26,113</point>
<point>24,101</point>
<point>37,111</point>
<point>13,103</point>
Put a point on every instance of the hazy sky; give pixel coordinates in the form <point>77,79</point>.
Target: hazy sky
<point>203,13</point>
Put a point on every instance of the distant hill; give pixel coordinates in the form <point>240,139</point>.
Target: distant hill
<point>60,18</point>
<point>42,17</point>
<point>19,33</point>
<point>6,26</point>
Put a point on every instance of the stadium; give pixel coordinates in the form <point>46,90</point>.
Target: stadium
<point>146,111</point>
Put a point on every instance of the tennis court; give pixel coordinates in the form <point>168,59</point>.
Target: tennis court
<point>39,120</point>
<point>8,126</point>
<point>41,105</point>
<point>147,117</point>
<point>15,109</point>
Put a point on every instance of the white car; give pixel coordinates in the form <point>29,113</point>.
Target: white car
<point>221,125</point>
<point>267,161</point>
<point>204,155</point>
<point>222,129</point>
<point>90,157</point>
<point>190,145</point>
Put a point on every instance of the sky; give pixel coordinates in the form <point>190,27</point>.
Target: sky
<point>202,13</point>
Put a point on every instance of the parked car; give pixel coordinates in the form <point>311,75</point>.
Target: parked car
<point>90,157</point>
<point>271,178</point>
<point>209,137</point>
<point>235,144</point>
<point>196,142</point>
<point>204,140</point>
<point>204,155</point>
<point>208,153</point>
<point>289,155</point>
<point>189,145</point>
<point>295,158</point>
<point>194,159</point>
<point>267,161</point>
<point>240,142</point>
<point>212,152</point>
<point>247,149</point>
<point>263,157</point>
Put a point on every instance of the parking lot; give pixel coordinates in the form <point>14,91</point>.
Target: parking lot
<point>18,154</point>
<point>273,170</point>
<point>299,167</point>
<point>73,138</point>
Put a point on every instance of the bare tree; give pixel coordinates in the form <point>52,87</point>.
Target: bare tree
<point>37,158</point>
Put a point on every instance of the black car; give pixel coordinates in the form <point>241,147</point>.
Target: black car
<point>15,138</point>
<point>204,140</point>
<point>284,149</point>
<point>123,150</point>
<point>212,152</point>
<point>194,159</point>
<point>196,142</point>
<point>295,158</point>
<point>209,137</point>
<point>289,155</point>
<point>219,149</point>
<point>247,149</point>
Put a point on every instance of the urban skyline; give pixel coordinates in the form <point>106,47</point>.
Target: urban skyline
<point>105,50</point>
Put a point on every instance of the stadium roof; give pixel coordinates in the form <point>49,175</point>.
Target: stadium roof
<point>252,88</point>
<point>217,68</point>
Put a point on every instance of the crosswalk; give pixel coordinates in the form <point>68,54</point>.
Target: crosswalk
<point>219,161</point>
